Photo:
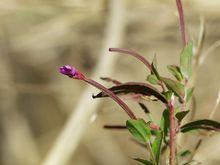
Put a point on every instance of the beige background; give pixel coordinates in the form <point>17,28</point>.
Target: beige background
<point>36,37</point>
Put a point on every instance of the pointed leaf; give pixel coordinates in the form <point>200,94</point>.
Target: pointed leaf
<point>134,87</point>
<point>154,68</point>
<point>144,107</point>
<point>145,162</point>
<point>108,79</point>
<point>186,60</point>
<point>184,153</point>
<point>181,115</point>
<point>175,71</point>
<point>156,147</point>
<point>152,79</point>
<point>168,95</point>
<point>205,124</point>
<point>174,86</point>
<point>139,129</point>
<point>189,94</point>
<point>165,124</point>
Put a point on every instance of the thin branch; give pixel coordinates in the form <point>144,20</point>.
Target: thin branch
<point>67,141</point>
<point>112,95</point>
<point>182,22</point>
<point>134,54</point>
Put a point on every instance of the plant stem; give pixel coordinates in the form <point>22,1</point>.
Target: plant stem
<point>182,22</point>
<point>112,95</point>
<point>172,132</point>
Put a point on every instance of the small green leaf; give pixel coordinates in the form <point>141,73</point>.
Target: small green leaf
<point>145,162</point>
<point>186,60</point>
<point>168,95</point>
<point>156,147</point>
<point>175,71</point>
<point>189,94</point>
<point>174,86</point>
<point>181,115</point>
<point>152,79</point>
<point>139,129</point>
<point>205,124</point>
<point>184,153</point>
<point>154,68</point>
<point>165,124</point>
<point>154,62</point>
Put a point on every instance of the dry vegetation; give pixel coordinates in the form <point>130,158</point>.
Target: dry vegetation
<point>36,37</point>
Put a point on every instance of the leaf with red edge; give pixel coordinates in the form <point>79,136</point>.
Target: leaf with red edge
<point>205,124</point>
<point>108,79</point>
<point>134,87</point>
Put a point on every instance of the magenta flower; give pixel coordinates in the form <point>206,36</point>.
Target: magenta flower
<point>75,74</point>
<point>71,72</point>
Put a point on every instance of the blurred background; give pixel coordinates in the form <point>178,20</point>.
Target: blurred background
<point>39,36</point>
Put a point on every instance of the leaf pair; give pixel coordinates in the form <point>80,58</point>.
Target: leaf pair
<point>136,88</point>
<point>142,132</point>
<point>204,124</point>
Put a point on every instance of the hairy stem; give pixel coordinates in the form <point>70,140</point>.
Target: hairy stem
<point>182,22</point>
<point>172,132</point>
<point>112,95</point>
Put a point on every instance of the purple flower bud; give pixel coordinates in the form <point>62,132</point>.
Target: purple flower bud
<point>71,72</point>
<point>68,70</point>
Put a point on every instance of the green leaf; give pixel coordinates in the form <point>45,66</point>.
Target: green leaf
<point>175,71</point>
<point>154,68</point>
<point>156,147</point>
<point>152,79</point>
<point>139,129</point>
<point>181,115</point>
<point>165,124</point>
<point>168,95</point>
<point>205,124</point>
<point>146,162</point>
<point>174,86</point>
<point>184,153</point>
<point>189,94</point>
<point>186,60</point>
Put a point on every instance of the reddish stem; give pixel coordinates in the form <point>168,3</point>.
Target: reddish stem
<point>182,22</point>
<point>134,54</point>
<point>112,95</point>
<point>172,132</point>
<point>139,57</point>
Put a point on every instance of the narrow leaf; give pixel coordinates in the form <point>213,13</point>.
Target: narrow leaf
<point>205,124</point>
<point>184,153</point>
<point>152,79</point>
<point>154,68</point>
<point>144,107</point>
<point>189,94</point>
<point>156,147</point>
<point>174,86</point>
<point>175,71</point>
<point>139,129</point>
<point>134,87</point>
<point>165,124</point>
<point>180,115</point>
<point>108,79</point>
<point>186,60</point>
<point>168,95</point>
<point>145,162</point>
